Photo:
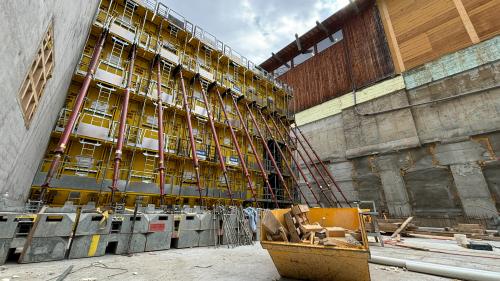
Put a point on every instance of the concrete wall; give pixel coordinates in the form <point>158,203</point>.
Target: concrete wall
<point>429,151</point>
<point>22,27</point>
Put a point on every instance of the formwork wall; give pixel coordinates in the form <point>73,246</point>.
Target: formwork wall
<point>23,26</point>
<point>360,59</point>
<point>87,169</point>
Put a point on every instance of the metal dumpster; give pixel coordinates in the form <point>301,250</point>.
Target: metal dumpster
<point>317,262</point>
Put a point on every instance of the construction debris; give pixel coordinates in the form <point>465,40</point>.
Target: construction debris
<point>297,228</point>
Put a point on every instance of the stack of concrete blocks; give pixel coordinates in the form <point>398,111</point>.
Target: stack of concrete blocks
<point>14,229</point>
<point>209,229</point>
<point>50,236</point>
<point>186,230</point>
<point>91,235</point>
<point>159,232</point>
<point>122,239</point>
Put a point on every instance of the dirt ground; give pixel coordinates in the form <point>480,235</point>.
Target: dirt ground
<point>241,263</point>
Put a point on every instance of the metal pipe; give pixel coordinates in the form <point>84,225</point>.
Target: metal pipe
<point>323,165</point>
<point>123,121</point>
<point>161,145</point>
<point>216,140</point>
<point>312,162</point>
<point>264,143</point>
<point>298,166</point>
<point>454,272</point>
<point>288,165</point>
<point>63,141</point>
<point>237,146</point>
<point>255,152</point>
<point>191,137</point>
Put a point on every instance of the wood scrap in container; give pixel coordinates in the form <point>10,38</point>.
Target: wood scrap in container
<point>335,231</point>
<point>292,229</point>
<point>305,228</point>
<point>274,230</point>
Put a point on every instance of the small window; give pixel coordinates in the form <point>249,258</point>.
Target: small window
<point>40,71</point>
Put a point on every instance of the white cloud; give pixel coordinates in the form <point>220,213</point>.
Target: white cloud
<point>255,28</point>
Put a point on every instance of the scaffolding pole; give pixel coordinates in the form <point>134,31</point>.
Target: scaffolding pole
<point>323,165</point>
<point>254,150</point>
<point>298,166</point>
<point>288,165</point>
<point>216,140</point>
<point>122,124</point>
<point>312,162</point>
<point>196,164</point>
<point>273,161</point>
<point>63,141</point>
<point>238,150</point>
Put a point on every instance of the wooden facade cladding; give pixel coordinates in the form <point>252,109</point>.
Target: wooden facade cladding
<point>360,59</point>
<point>424,30</point>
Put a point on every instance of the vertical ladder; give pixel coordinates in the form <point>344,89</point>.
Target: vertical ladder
<point>100,106</point>
<point>85,159</point>
<point>115,56</point>
<point>149,165</point>
<point>128,12</point>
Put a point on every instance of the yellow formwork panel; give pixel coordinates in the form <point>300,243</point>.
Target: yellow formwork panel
<point>98,121</point>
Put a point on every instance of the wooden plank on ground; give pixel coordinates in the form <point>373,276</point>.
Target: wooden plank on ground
<point>402,227</point>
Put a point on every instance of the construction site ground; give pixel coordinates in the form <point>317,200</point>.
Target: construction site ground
<point>242,263</point>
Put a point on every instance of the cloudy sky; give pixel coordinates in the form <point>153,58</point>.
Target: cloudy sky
<point>255,28</point>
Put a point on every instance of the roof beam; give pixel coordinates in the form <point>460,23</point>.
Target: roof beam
<point>276,57</point>
<point>325,30</point>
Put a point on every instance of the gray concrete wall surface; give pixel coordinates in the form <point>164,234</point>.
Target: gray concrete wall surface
<point>22,27</point>
<point>431,151</point>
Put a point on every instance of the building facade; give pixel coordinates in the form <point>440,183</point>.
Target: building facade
<point>401,99</point>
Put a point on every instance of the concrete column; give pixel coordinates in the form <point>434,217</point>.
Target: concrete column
<point>473,190</point>
<point>396,195</point>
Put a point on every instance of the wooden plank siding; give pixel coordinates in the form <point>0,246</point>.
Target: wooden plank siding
<point>425,30</point>
<point>319,79</point>
<point>360,59</point>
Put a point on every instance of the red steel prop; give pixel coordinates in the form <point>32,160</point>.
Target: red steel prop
<point>312,162</point>
<point>324,167</point>
<point>273,161</point>
<point>63,141</point>
<point>237,146</point>
<point>191,136</point>
<point>297,163</point>
<point>269,131</point>
<point>254,150</point>
<point>122,122</point>
<point>217,144</point>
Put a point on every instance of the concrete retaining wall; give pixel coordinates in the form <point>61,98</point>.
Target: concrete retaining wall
<point>431,151</point>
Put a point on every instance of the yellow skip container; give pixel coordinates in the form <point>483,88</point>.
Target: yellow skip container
<point>317,262</point>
